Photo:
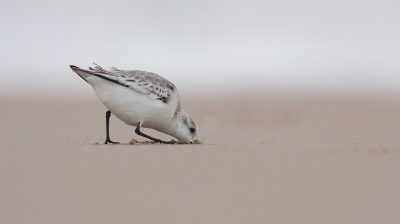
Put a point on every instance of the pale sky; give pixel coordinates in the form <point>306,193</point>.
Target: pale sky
<point>306,45</point>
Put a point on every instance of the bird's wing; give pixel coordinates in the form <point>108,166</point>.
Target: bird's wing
<point>147,83</point>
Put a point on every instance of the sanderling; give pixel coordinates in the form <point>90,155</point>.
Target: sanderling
<point>141,99</point>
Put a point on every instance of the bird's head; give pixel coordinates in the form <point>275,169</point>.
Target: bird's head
<point>184,127</point>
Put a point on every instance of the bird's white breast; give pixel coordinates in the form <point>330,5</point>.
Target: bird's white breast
<point>133,107</point>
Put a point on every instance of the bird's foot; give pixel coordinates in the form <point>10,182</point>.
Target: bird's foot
<point>108,141</point>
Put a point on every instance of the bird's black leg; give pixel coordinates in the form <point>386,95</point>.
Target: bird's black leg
<point>108,115</point>
<point>149,137</point>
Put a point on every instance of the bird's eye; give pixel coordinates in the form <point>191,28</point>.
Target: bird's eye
<point>192,130</point>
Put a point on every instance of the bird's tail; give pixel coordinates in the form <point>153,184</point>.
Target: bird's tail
<point>84,74</point>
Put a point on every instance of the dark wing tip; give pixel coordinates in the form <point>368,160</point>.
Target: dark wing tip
<point>73,67</point>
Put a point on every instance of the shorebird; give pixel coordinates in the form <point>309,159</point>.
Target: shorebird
<point>141,99</point>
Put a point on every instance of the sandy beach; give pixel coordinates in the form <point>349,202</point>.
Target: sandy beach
<point>263,159</point>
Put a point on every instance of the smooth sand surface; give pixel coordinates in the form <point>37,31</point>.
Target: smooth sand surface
<point>277,159</point>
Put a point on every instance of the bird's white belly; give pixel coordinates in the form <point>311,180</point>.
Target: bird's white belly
<point>131,106</point>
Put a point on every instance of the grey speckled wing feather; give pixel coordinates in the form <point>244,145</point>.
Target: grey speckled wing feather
<point>148,83</point>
